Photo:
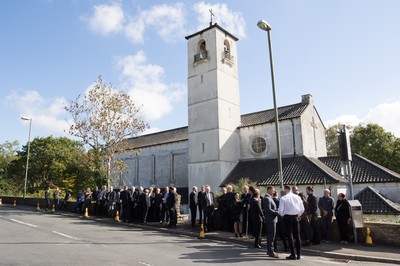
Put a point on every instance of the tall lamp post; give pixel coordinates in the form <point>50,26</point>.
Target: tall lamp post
<point>27,156</point>
<point>263,25</point>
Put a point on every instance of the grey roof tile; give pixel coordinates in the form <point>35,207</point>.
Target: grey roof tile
<point>374,202</point>
<point>363,170</point>
<point>297,170</point>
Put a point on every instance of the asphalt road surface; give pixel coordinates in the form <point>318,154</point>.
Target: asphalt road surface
<point>29,238</point>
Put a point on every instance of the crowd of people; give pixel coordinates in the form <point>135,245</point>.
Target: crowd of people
<point>130,205</point>
<point>293,217</point>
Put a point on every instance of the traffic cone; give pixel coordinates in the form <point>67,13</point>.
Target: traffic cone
<point>53,209</point>
<point>201,235</point>
<point>117,217</point>
<point>86,214</point>
<point>15,203</point>
<point>1,202</point>
<point>37,207</point>
<point>368,239</point>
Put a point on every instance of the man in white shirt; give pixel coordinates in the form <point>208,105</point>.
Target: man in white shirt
<point>291,207</point>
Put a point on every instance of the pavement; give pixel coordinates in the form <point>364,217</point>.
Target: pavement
<point>333,250</point>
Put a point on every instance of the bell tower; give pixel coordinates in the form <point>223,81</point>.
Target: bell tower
<point>213,106</point>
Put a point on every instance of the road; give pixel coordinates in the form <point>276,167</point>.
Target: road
<point>29,238</point>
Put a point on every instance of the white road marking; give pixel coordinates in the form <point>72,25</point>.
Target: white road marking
<point>144,263</point>
<point>23,223</point>
<point>61,234</point>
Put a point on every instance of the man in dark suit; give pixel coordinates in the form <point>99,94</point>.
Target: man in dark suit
<point>126,199</point>
<point>193,198</point>
<point>209,209</point>
<point>271,218</point>
<point>144,205</point>
<point>171,205</point>
<point>312,202</point>
<point>201,200</point>
<point>257,217</point>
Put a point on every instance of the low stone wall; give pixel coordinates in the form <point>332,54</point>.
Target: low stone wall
<point>381,233</point>
<point>32,202</point>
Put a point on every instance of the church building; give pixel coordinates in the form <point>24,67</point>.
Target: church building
<point>220,145</point>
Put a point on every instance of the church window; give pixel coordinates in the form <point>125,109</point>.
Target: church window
<point>227,58</point>
<point>201,79</point>
<point>203,147</point>
<point>201,52</point>
<point>258,145</point>
<point>153,167</point>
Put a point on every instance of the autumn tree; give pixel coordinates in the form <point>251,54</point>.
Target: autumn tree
<point>102,118</point>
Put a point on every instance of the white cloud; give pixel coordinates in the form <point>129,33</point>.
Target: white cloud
<point>166,20</point>
<point>45,114</point>
<point>232,21</point>
<point>106,19</point>
<point>145,84</point>
<point>387,115</point>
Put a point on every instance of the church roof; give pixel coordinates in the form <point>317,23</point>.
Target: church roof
<point>215,25</point>
<point>158,138</point>
<point>374,202</point>
<point>299,170</point>
<point>363,170</point>
<point>268,116</point>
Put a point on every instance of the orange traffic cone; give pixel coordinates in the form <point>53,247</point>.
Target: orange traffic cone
<point>117,217</point>
<point>368,239</point>
<point>37,207</point>
<point>201,235</point>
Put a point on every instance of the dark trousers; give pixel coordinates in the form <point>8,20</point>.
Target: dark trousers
<point>201,215</point>
<point>343,230</point>
<point>257,229</point>
<point>305,230</point>
<point>145,211</point>
<point>326,222</point>
<point>47,205</point>
<point>193,214</point>
<point>314,223</point>
<point>208,218</point>
<point>126,213</point>
<point>271,232</point>
<point>280,226</point>
<point>164,214</point>
<point>172,217</point>
<point>292,231</point>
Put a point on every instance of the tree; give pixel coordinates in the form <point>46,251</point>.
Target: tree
<point>8,153</point>
<point>370,141</point>
<point>53,161</point>
<point>374,143</point>
<point>103,118</point>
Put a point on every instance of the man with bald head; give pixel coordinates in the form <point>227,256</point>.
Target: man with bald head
<point>325,205</point>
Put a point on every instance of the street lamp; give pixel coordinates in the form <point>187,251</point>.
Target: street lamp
<point>27,156</point>
<point>263,25</point>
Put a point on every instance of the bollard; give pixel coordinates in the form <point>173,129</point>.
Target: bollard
<point>368,239</point>
<point>53,209</point>
<point>117,216</point>
<point>201,235</point>
<point>86,214</point>
<point>15,203</point>
<point>37,207</point>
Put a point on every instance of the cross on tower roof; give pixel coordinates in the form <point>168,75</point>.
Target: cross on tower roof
<point>211,16</point>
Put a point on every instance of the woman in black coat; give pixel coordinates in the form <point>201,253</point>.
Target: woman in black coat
<point>343,218</point>
<point>237,211</point>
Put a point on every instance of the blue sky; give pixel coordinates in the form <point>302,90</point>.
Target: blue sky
<point>345,53</point>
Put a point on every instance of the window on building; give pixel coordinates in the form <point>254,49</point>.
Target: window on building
<point>203,147</point>
<point>258,145</point>
<point>201,52</point>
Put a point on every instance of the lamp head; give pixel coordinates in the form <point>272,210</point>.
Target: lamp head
<point>262,24</point>
<point>25,118</point>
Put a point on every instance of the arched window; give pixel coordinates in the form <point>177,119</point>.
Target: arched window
<point>201,51</point>
<point>227,48</point>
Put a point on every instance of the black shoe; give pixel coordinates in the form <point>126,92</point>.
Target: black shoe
<point>291,257</point>
<point>240,235</point>
<point>236,235</point>
<point>257,246</point>
<point>298,257</point>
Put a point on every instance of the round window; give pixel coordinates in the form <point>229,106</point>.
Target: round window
<point>258,145</point>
